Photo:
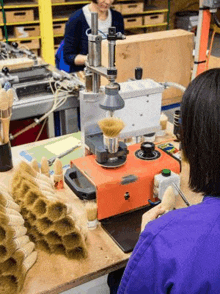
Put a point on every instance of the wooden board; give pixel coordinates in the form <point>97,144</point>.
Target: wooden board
<point>164,56</point>
<point>16,63</point>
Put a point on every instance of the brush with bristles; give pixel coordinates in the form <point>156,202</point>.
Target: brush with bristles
<point>8,247</point>
<point>25,166</point>
<point>33,232</point>
<point>25,267</point>
<point>45,169</point>
<point>44,225</point>
<point>43,245</point>
<point>111,126</point>
<point>53,238</point>
<point>35,166</point>
<point>40,207</point>
<point>5,117</point>
<point>8,202</point>
<point>65,225</point>
<point>30,198</point>
<point>91,212</point>
<point>72,239</point>
<point>13,264</point>
<point>58,249</point>
<point>11,220</point>
<point>6,211</point>
<point>23,190</point>
<point>42,185</point>
<point>58,174</point>
<point>79,252</point>
<point>11,232</point>
<point>9,284</point>
<point>31,218</point>
<point>58,210</point>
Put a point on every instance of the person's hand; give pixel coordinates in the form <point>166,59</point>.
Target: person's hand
<point>167,204</point>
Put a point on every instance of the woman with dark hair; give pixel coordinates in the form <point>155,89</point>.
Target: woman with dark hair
<point>179,252</point>
<point>76,38</point>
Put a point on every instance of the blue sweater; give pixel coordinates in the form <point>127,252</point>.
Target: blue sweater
<point>76,40</point>
<point>177,253</point>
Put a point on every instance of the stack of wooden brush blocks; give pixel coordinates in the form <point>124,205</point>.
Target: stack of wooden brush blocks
<point>50,222</point>
<point>17,254</point>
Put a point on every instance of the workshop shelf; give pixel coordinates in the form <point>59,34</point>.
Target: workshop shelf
<point>147,26</point>
<point>70,3</point>
<point>21,23</point>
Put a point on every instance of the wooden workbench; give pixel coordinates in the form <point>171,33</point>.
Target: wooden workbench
<point>55,273</point>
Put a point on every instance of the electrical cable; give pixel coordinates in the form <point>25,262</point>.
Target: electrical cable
<point>60,88</point>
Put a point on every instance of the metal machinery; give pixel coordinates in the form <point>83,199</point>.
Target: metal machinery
<point>118,176</point>
<point>37,88</point>
<point>207,8</point>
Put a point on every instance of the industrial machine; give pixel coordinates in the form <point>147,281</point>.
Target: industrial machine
<point>39,88</point>
<point>118,176</point>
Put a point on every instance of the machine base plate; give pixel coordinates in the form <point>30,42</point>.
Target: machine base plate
<point>125,229</point>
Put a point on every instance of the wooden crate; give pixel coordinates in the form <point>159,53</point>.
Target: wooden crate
<point>164,56</point>
<point>19,15</point>
<point>132,8</point>
<point>153,19</point>
<point>116,7</point>
<point>30,44</point>
<point>26,31</point>
<point>59,28</point>
<point>1,35</point>
<point>1,17</point>
<point>57,1</point>
<point>132,22</point>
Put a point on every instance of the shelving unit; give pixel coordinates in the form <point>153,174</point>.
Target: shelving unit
<point>49,16</point>
<point>25,38</point>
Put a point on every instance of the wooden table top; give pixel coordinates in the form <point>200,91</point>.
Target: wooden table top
<point>55,273</point>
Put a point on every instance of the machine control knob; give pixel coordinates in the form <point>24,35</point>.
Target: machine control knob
<point>127,196</point>
<point>138,73</point>
<point>148,149</point>
<point>14,44</point>
<point>5,70</point>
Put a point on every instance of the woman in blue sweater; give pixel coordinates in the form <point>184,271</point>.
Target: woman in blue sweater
<point>76,39</point>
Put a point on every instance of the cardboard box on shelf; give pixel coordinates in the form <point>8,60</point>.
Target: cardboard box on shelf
<point>116,7</point>
<point>1,18</point>
<point>130,22</point>
<point>57,1</point>
<point>165,56</point>
<point>1,35</point>
<point>153,19</point>
<point>19,15</point>
<point>26,31</point>
<point>132,7</point>
<point>35,51</point>
<point>30,44</point>
<point>59,28</point>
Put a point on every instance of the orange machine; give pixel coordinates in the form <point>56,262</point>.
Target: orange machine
<point>124,188</point>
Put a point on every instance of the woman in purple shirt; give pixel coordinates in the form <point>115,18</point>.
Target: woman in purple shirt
<point>179,252</point>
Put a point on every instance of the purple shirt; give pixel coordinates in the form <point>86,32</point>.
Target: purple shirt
<point>177,253</point>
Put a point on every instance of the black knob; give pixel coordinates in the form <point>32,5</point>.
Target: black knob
<point>127,196</point>
<point>14,44</point>
<point>148,149</point>
<point>5,70</point>
<point>138,73</point>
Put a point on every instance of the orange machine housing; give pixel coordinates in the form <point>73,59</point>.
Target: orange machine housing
<point>127,187</point>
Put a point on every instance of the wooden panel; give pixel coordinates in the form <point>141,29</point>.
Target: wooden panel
<point>16,63</point>
<point>164,56</point>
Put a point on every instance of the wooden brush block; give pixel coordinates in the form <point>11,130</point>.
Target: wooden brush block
<point>16,63</point>
<point>164,56</point>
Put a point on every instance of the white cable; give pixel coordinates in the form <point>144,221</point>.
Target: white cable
<point>175,85</point>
